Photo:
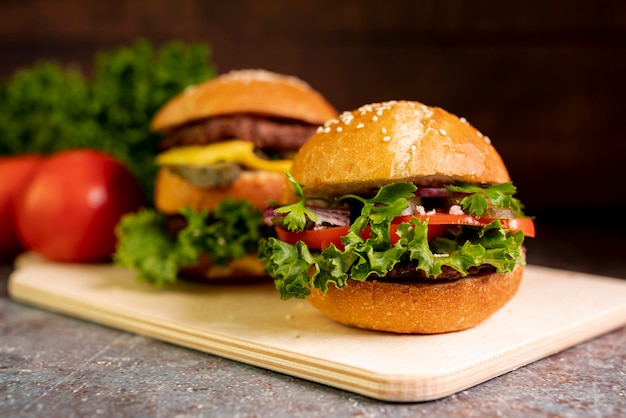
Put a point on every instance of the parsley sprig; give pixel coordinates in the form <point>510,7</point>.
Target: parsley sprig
<point>482,197</point>
<point>297,213</point>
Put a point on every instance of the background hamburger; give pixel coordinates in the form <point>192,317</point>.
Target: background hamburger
<point>226,145</point>
<point>401,218</point>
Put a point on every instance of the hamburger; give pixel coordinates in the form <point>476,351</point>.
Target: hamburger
<point>399,217</point>
<point>224,149</point>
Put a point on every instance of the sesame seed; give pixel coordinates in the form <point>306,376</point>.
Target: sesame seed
<point>320,129</point>
<point>413,147</point>
<point>387,138</point>
<point>360,125</point>
<point>365,109</point>
<point>487,140</point>
<point>248,75</point>
<point>384,130</point>
<point>374,118</point>
<point>329,123</point>
<point>462,119</point>
<point>443,131</point>
<point>346,117</point>
<point>339,129</point>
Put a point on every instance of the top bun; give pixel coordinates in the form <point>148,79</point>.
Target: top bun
<point>257,92</point>
<point>391,142</point>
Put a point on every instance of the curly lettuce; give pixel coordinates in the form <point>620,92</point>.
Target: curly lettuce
<point>231,231</point>
<point>296,269</point>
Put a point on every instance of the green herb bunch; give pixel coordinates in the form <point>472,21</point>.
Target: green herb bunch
<point>48,107</point>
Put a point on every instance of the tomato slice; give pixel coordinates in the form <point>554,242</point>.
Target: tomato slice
<point>314,238</point>
<point>437,223</point>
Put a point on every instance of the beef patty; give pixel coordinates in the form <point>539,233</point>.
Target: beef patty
<point>267,134</point>
<point>407,271</point>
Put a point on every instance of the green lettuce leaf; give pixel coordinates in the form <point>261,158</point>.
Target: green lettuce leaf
<point>296,269</point>
<point>231,231</point>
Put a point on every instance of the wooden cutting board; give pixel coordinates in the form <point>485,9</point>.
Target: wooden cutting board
<point>552,311</point>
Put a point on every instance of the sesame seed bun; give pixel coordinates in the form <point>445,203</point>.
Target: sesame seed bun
<point>258,92</point>
<point>418,308</point>
<point>390,142</point>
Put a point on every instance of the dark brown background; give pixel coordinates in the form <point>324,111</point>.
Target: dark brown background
<point>545,80</point>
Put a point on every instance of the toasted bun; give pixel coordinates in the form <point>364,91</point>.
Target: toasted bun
<point>172,192</point>
<point>391,142</point>
<point>418,308</point>
<point>258,92</point>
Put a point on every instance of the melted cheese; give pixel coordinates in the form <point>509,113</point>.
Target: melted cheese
<point>235,151</point>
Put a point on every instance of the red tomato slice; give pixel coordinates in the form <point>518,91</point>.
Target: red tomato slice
<point>314,238</point>
<point>322,238</point>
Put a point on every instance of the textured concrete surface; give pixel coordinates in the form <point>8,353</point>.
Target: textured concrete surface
<point>52,365</point>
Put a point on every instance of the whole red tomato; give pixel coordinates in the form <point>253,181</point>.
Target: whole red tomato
<point>72,204</point>
<point>15,173</point>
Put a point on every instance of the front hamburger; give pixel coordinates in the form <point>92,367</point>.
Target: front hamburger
<point>401,218</point>
<point>226,145</point>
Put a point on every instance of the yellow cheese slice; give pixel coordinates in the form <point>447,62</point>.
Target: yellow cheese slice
<point>235,151</point>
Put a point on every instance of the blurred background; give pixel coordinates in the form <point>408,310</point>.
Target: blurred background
<point>545,80</point>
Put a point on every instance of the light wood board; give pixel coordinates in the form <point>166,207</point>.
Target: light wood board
<point>552,311</point>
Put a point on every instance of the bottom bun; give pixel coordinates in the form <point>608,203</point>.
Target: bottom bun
<point>242,270</point>
<point>418,308</point>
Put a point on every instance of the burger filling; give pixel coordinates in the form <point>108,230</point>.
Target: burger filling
<point>160,248</point>
<point>265,133</point>
<point>208,153</point>
<point>212,152</point>
<point>400,232</point>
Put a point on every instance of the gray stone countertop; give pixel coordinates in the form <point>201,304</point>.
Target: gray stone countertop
<point>57,366</point>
